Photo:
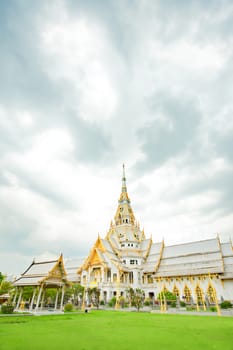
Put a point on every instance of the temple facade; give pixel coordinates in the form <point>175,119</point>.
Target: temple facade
<point>199,272</point>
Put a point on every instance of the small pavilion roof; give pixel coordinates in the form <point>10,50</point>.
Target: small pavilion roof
<point>51,272</point>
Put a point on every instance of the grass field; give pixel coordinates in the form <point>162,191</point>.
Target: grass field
<point>115,331</point>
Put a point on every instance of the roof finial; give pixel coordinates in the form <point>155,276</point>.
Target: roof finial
<point>124,189</point>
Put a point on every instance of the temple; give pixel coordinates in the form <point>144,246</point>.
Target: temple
<point>200,272</point>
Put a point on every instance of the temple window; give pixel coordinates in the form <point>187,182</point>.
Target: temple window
<point>109,275</point>
<point>131,277</point>
<point>133,261</point>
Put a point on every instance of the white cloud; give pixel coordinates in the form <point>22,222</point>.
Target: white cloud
<point>79,50</point>
<point>87,84</point>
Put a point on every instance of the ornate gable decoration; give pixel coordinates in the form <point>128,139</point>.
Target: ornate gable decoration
<point>94,257</point>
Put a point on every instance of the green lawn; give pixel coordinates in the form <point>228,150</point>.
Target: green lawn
<point>116,331</point>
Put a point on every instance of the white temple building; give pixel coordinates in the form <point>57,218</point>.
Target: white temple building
<point>198,272</point>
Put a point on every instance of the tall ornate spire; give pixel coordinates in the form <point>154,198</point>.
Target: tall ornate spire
<point>124,214</point>
<point>124,195</point>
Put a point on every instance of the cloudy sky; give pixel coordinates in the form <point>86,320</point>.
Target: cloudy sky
<point>87,85</point>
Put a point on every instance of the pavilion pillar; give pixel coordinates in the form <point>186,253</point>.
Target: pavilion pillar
<point>42,301</point>
<point>19,299</point>
<point>56,300</point>
<point>15,296</point>
<point>32,301</point>
<point>38,298</point>
<point>62,297</point>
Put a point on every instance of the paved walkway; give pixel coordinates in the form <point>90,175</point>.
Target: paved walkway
<point>173,311</point>
<point>197,313</point>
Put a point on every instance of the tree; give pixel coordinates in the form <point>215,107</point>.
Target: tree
<point>94,296</point>
<point>5,286</point>
<point>2,277</point>
<point>130,294</point>
<point>169,296</point>
<point>50,296</point>
<point>27,293</point>
<point>78,291</point>
<point>68,296</point>
<point>136,297</point>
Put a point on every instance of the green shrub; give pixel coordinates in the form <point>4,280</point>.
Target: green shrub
<point>68,307</point>
<point>226,304</point>
<point>173,304</point>
<point>182,304</point>
<point>112,302</point>
<point>191,308</point>
<point>147,302</point>
<point>213,308</point>
<point>122,302</point>
<point>7,309</point>
<point>169,296</point>
<point>102,302</point>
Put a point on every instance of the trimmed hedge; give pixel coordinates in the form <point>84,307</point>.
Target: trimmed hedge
<point>7,309</point>
<point>226,304</point>
<point>68,307</point>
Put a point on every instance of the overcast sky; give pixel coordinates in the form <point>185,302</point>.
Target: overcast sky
<point>87,85</point>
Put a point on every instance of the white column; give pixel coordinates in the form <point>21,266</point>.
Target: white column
<point>38,298</point>
<point>32,301</point>
<point>16,293</point>
<point>42,301</point>
<point>62,297</point>
<point>19,299</point>
<point>56,300</point>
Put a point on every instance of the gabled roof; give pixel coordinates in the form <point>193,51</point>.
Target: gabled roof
<point>201,257</point>
<point>95,256</point>
<point>50,272</point>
